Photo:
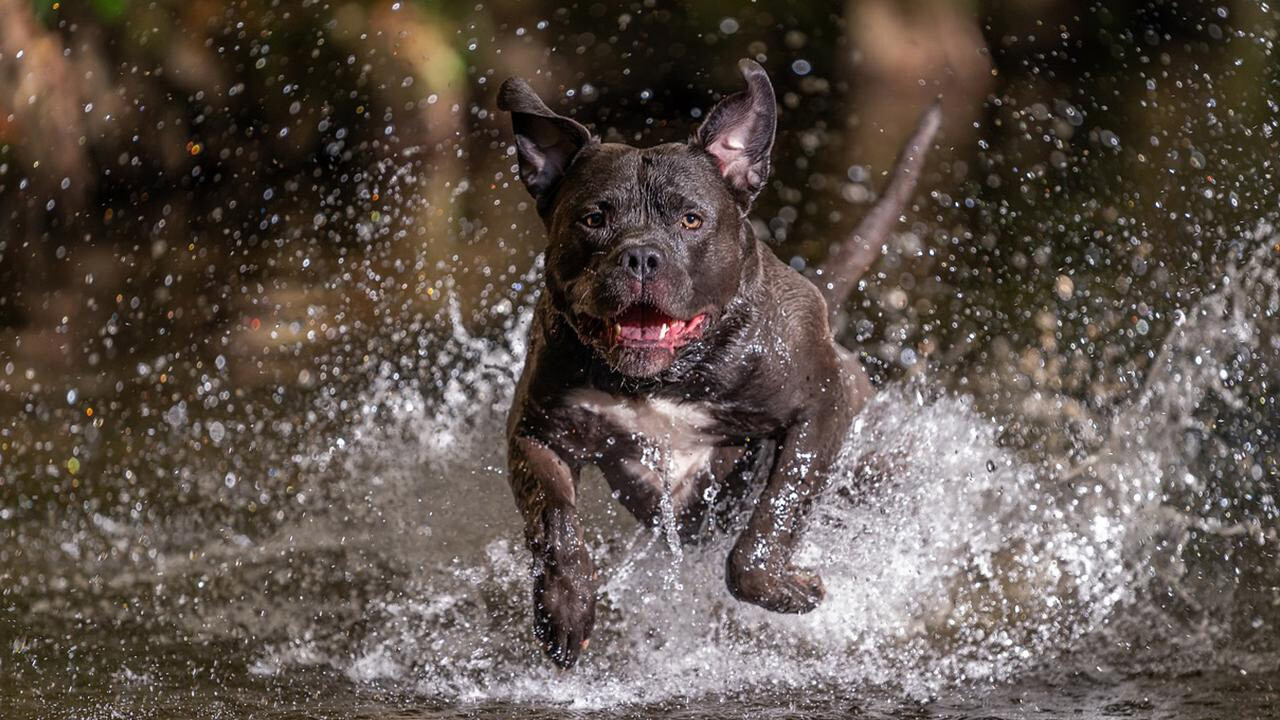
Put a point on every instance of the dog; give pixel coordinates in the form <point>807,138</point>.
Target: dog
<point>674,351</point>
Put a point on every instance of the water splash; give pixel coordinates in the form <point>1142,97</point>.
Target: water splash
<point>953,560</point>
<point>949,559</point>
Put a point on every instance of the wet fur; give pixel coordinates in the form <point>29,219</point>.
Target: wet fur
<point>761,400</point>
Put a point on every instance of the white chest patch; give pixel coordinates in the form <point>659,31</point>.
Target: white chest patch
<point>677,432</point>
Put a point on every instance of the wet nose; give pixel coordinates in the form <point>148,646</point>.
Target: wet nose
<point>642,261</point>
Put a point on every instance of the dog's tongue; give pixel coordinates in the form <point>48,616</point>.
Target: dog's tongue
<point>647,324</point>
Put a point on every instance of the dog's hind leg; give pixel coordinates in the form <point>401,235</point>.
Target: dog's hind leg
<point>722,504</point>
<point>857,384</point>
<point>712,498</point>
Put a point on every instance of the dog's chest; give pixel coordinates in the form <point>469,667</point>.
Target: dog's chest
<point>677,439</point>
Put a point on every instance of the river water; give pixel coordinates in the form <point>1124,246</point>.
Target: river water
<point>355,553</point>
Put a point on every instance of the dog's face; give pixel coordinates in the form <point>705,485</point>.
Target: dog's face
<point>647,247</point>
<point>646,250</point>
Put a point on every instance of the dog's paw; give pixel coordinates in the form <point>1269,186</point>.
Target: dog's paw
<point>564,609</point>
<point>786,589</point>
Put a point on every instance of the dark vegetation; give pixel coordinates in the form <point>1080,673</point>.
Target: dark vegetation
<point>206,198</point>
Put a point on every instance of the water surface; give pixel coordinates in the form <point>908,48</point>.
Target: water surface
<point>369,563</point>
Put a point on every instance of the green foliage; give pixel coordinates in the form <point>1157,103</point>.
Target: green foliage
<point>110,9</point>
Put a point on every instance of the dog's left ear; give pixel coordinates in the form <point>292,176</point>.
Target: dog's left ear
<point>738,133</point>
<point>546,142</point>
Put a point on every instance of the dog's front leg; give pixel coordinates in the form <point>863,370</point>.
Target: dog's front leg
<point>564,592</point>
<point>759,569</point>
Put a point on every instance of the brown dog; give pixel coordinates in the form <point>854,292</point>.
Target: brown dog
<point>674,351</point>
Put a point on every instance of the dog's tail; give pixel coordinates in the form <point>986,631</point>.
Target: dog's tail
<point>839,274</point>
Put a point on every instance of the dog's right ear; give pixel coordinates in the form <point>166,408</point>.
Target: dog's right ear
<point>546,143</point>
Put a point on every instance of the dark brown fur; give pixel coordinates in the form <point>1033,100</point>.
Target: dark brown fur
<point>762,397</point>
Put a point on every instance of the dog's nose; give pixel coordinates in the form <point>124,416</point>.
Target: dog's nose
<point>642,261</point>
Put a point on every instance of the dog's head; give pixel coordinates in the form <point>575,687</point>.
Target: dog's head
<point>647,246</point>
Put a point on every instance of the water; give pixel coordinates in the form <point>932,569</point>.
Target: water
<point>323,555</point>
<point>254,368</point>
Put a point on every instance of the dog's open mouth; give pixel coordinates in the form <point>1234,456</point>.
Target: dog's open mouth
<point>646,326</point>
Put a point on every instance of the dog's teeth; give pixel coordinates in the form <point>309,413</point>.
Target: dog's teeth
<point>662,334</point>
<point>617,330</point>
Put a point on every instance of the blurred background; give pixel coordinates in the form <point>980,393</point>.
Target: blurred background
<point>224,220</point>
<point>200,178</point>
<point>263,181</point>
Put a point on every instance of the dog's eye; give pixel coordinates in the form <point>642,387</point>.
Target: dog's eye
<point>593,219</point>
<point>691,221</point>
